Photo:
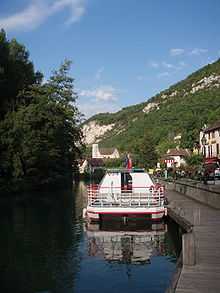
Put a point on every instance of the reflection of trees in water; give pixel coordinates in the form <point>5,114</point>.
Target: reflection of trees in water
<point>80,190</point>
<point>38,245</point>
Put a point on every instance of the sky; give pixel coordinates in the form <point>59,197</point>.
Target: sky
<point>123,51</point>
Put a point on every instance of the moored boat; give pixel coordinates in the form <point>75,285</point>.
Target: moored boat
<point>125,193</point>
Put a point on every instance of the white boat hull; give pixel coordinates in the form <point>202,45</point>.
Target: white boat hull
<point>126,194</point>
<point>96,213</point>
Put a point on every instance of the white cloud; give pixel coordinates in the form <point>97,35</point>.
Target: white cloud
<point>103,93</point>
<point>90,109</point>
<point>168,65</point>
<point>99,100</point>
<point>154,64</point>
<point>181,64</point>
<point>99,72</point>
<point>76,7</point>
<point>198,51</point>
<point>27,19</point>
<point>176,51</point>
<point>163,74</point>
<point>38,11</point>
<point>175,67</point>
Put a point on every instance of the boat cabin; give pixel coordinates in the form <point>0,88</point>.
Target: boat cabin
<point>126,181</point>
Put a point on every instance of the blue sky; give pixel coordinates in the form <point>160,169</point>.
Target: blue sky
<point>123,51</point>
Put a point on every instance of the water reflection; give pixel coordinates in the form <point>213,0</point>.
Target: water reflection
<point>126,244</point>
<point>39,240</point>
<point>46,247</point>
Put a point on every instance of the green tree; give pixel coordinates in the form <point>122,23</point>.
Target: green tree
<point>145,155</point>
<point>163,147</point>
<point>41,140</point>
<point>16,73</point>
<point>194,160</point>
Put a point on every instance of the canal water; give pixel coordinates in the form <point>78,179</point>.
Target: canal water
<point>46,247</point>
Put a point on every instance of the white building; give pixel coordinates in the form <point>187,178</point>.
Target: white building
<point>209,140</point>
<point>176,157</point>
<point>104,153</point>
<point>177,139</point>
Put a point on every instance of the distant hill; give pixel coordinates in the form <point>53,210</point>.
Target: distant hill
<point>180,110</point>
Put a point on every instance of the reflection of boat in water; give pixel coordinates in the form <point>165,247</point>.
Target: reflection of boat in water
<point>125,244</point>
<point>126,193</point>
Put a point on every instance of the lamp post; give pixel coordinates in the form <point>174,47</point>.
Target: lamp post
<point>203,141</point>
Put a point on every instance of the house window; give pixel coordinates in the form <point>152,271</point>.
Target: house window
<point>213,134</point>
<point>209,135</point>
<point>217,149</point>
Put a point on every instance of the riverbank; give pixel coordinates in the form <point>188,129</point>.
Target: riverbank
<point>208,194</point>
<point>195,207</point>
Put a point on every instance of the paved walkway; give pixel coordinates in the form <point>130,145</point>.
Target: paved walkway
<point>203,249</point>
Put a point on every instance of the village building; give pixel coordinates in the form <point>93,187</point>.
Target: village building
<point>88,164</point>
<point>177,139</point>
<point>209,140</point>
<point>175,157</point>
<point>104,153</point>
<point>98,154</point>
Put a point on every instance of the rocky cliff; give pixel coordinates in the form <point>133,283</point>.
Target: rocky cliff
<point>181,109</point>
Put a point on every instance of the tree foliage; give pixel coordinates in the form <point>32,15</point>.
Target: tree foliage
<point>194,160</point>
<point>145,155</point>
<point>16,73</point>
<point>39,127</point>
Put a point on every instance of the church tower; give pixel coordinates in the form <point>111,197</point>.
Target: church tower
<point>95,151</point>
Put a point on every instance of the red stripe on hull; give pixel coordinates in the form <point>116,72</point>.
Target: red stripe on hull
<point>126,213</point>
<point>131,217</point>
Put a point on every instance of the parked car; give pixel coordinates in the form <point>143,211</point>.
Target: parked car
<point>217,173</point>
<point>211,170</point>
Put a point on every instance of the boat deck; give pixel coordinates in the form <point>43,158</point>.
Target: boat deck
<point>123,193</point>
<point>154,198</point>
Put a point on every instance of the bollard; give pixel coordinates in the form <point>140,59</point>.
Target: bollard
<point>189,249</point>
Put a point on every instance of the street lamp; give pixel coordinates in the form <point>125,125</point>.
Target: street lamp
<point>204,141</point>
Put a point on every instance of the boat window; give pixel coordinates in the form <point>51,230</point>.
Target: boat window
<point>126,182</point>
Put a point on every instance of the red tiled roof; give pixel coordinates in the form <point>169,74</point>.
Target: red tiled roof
<point>178,152</point>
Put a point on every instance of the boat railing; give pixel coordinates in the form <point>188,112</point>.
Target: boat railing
<point>120,170</point>
<point>154,197</point>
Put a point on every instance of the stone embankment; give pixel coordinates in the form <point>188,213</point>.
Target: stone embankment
<point>207,194</point>
<point>196,207</point>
